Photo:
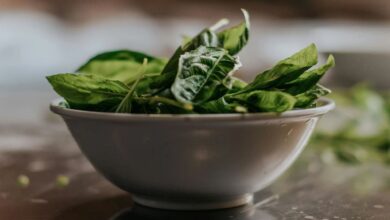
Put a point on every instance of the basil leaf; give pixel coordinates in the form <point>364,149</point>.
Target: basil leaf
<point>185,39</point>
<point>308,79</point>
<point>265,101</point>
<point>285,70</point>
<point>235,38</point>
<point>122,65</point>
<point>160,105</point>
<point>88,90</point>
<point>126,103</point>
<point>350,156</point>
<point>213,89</point>
<point>196,79</point>
<point>236,84</point>
<point>308,98</point>
<point>201,72</point>
<point>168,74</point>
<point>220,106</point>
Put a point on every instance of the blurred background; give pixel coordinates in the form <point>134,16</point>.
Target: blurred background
<point>43,37</point>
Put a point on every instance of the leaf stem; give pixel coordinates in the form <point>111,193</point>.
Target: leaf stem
<point>125,105</point>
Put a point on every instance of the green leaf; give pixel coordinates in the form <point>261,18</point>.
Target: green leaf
<point>213,89</point>
<point>126,103</point>
<point>285,70</point>
<point>185,40</point>
<point>207,38</point>
<point>204,38</point>
<point>232,39</point>
<point>122,65</point>
<point>346,155</point>
<point>308,79</point>
<point>236,84</point>
<point>265,101</point>
<point>87,90</point>
<point>308,98</point>
<point>196,79</point>
<point>201,72</point>
<point>160,105</point>
<point>235,38</point>
<point>220,106</point>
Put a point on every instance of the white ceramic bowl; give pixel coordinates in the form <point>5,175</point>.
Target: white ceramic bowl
<point>192,162</point>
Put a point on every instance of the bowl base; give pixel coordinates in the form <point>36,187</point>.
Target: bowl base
<point>193,204</point>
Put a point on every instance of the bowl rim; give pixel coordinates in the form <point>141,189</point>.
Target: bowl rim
<point>325,106</point>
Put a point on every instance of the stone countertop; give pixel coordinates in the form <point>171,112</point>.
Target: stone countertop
<point>44,176</point>
<point>41,153</point>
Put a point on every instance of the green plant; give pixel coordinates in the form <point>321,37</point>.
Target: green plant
<point>197,78</point>
<point>359,129</point>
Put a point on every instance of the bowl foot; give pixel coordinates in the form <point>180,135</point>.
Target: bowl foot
<point>193,204</point>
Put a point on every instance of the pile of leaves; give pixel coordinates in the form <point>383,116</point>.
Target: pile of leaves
<point>197,78</point>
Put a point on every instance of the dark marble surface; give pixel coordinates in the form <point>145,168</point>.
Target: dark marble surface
<point>311,189</point>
